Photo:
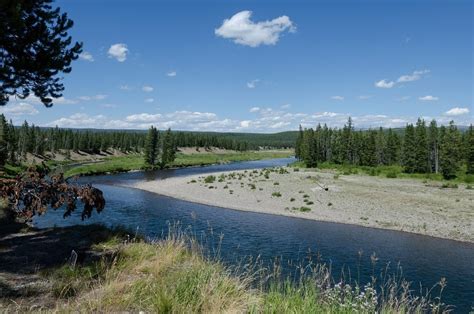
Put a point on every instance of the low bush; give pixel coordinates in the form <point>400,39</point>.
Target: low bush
<point>209,179</point>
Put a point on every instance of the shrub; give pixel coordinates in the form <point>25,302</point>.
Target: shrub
<point>392,174</point>
<point>276,194</point>
<point>292,199</point>
<point>209,179</point>
<point>276,183</point>
<point>304,209</point>
<point>469,178</point>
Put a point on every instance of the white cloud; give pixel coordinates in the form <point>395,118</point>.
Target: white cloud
<point>119,52</point>
<point>82,120</point>
<point>95,97</point>
<point>125,87</point>
<point>171,74</point>
<point>245,123</point>
<point>147,89</point>
<point>149,100</point>
<point>87,56</point>
<point>266,120</point>
<point>428,98</point>
<point>143,117</point>
<point>285,106</point>
<point>337,97</point>
<point>364,97</point>
<point>254,109</point>
<point>243,31</point>
<point>384,84</point>
<point>19,109</point>
<point>253,83</point>
<point>416,75</point>
<point>456,111</point>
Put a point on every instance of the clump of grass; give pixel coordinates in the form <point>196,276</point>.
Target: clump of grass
<point>292,199</point>
<point>210,179</point>
<point>468,187</point>
<point>174,275</point>
<point>252,186</point>
<point>449,185</point>
<point>391,174</point>
<point>469,178</point>
<point>192,181</point>
<point>276,194</point>
<point>276,183</point>
<point>302,209</point>
<point>309,202</point>
<point>305,196</point>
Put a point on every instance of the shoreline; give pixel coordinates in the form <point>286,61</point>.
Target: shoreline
<point>352,196</point>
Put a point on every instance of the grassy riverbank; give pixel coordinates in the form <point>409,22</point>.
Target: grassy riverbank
<point>174,276</point>
<point>391,172</point>
<point>136,161</point>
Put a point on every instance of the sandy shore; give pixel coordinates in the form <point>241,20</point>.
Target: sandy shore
<point>397,204</point>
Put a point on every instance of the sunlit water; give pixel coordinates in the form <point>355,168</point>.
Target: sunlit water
<point>423,259</point>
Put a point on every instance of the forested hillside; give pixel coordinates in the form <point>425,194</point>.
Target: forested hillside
<point>419,148</point>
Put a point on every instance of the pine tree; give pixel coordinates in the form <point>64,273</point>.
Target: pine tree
<point>347,142</point>
<point>168,149</point>
<point>393,148</point>
<point>433,143</point>
<point>299,143</point>
<point>3,141</point>
<point>12,143</point>
<point>422,149</point>
<point>450,152</point>
<point>470,150</point>
<point>409,149</point>
<point>151,147</point>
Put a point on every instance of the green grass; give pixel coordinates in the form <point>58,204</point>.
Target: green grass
<point>394,171</point>
<point>136,161</point>
<point>173,275</point>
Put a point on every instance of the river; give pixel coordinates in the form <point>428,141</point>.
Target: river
<point>424,259</point>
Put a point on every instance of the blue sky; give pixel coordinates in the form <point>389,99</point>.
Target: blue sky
<point>263,66</point>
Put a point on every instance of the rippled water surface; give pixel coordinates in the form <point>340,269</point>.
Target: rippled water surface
<point>423,259</point>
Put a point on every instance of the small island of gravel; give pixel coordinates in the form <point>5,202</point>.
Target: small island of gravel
<point>398,204</point>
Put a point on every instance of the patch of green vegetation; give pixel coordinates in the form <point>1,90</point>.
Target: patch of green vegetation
<point>276,194</point>
<point>174,276</point>
<point>136,161</point>
<point>394,171</point>
<point>304,209</point>
<point>209,179</point>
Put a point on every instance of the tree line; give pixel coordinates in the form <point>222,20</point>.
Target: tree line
<point>418,148</point>
<point>17,141</point>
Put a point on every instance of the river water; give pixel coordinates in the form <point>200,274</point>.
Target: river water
<point>424,260</point>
